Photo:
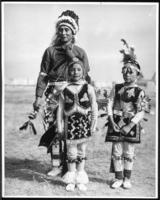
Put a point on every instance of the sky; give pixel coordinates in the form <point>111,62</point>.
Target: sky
<point>27,30</point>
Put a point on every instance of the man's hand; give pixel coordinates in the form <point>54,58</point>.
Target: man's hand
<point>70,54</point>
<point>37,104</point>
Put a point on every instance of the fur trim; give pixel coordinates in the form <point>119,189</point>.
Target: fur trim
<point>78,141</point>
<point>82,177</point>
<point>69,177</point>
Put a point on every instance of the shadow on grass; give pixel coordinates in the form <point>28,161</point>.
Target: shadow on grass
<point>99,180</point>
<point>34,170</point>
<point>29,170</point>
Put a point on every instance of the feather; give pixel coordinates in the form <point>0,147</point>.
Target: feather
<point>28,125</point>
<point>125,43</point>
<point>48,136</point>
<point>32,128</point>
<point>32,115</point>
<point>24,126</point>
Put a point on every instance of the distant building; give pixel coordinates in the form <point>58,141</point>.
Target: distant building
<point>102,84</point>
<point>148,84</point>
<point>20,81</point>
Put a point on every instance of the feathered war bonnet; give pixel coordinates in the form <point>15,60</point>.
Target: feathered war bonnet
<point>69,19</point>
<point>129,57</point>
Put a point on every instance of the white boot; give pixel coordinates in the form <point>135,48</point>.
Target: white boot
<point>70,177</point>
<point>81,177</point>
<point>117,183</point>
<point>82,180</point>
<point>127,183</point>
<point>70,187</point>
<point>82,187</point>
<point>55,171</point>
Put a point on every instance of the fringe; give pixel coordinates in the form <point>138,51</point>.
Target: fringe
<point>82,177</point>
<point>78,141</point>
<point>69,177</point>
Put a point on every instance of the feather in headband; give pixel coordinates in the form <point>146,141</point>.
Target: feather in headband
<point>129,55</point>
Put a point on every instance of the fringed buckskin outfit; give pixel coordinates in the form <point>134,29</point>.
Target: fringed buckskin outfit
<point>53,76</point>
<point>77,117</point>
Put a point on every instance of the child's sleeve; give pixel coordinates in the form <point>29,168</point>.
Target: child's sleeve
<point>60,121</point>
<point>111,101</point>
<point>140,108</point>
<point>94,107</point>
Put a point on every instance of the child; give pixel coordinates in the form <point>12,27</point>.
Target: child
<point>77,118</point>
<point>125,108</point>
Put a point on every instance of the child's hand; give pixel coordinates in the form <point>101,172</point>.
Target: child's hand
<point>126,129</point>
<point>113,124</point>
<point>115,127</point>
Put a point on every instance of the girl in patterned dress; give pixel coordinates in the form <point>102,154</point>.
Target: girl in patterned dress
<point>77,118</point>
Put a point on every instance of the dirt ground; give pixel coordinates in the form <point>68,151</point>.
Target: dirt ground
<point>26,164</point>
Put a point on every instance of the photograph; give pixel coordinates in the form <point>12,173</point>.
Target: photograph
<point>79,99</point>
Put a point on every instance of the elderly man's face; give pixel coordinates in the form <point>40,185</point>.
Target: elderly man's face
<point>65,33</point>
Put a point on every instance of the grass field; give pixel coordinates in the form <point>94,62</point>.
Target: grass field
<point>26,164</point>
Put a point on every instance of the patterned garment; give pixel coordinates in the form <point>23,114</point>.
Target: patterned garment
<point>81,99</point>
<point>51,105</point>
<point>54,142</point>
<point>77,126</point>
<point>52,101</point>
<point>127,102</point>
<point>134,136</point>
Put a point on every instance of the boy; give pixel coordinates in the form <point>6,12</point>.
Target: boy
<point>126,107</point>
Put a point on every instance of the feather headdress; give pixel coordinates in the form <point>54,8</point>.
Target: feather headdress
<point>129,56</point>
<point>70,19</point>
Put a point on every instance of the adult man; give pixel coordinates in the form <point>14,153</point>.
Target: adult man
<point>53,70</point>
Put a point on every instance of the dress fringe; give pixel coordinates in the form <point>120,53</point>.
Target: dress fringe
<point>82,177</point>
<point>78,141</point>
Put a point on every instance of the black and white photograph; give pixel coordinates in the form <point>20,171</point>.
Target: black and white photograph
<point>79,99</point>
